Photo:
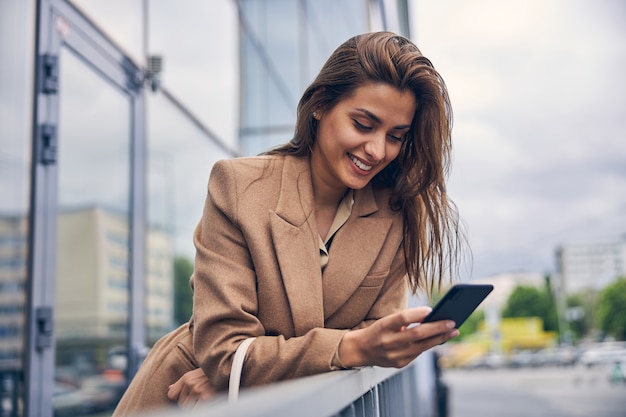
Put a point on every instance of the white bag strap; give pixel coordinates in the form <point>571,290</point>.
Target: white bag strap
<point>236,368</point>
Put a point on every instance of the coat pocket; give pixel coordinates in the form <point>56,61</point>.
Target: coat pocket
<point>186,355</point>
<point>374,280</point>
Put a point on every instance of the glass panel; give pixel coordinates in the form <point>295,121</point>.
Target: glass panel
<point>122,21</point>
<point>198,42</point>
<point>329,24</point>
<point>93,239</point>
<point>16,50</point>
<point>271,73</point>
<point>180,158</point>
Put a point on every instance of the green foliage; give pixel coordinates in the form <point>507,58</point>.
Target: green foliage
<point>183,296</point>
<point>528,301</point>
<point>605,311</point>
<point>611,309</point>
<point>551,316</point>
<point>524,301</point>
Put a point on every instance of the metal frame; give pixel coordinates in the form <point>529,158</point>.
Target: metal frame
<point>59,25</point>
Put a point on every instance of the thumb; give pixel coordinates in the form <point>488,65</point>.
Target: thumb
<point>402,319</point>
<point>416,315</point>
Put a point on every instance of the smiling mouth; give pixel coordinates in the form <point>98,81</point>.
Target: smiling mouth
<point>359,163</point>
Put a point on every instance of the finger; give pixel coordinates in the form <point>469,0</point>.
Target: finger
<point>414,349</point>
<point>424,331</point>
<point>173,391</point>
<point>407,317</point>
<point>436,340</point>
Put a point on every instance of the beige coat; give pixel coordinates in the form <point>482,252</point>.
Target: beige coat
<point>257,273</point>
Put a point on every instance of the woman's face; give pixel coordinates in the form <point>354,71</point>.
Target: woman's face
<point>360,136</point>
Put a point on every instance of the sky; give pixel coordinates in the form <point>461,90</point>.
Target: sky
<point>539,101</point>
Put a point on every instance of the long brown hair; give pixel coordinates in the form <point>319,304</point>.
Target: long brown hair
<point>431,235</point>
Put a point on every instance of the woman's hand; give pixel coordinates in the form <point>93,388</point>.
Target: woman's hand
<point>392,342</point>
<point>192,387</point>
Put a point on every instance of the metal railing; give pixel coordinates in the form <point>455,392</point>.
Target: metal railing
<point>371,391</point>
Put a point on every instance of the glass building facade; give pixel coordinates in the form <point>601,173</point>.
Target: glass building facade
<point>283,45</point>
<point>104,161</point>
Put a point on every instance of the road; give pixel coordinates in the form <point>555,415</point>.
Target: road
<point>546,392</point>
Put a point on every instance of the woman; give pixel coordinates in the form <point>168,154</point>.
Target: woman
<point>311,248</point>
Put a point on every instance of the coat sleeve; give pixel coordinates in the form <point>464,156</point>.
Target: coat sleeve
<point>226,304</point>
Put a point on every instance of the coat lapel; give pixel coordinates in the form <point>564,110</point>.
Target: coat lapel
<point>295,242</point>
<point>354,250</point>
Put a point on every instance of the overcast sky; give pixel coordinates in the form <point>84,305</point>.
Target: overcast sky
<point>539,98</point>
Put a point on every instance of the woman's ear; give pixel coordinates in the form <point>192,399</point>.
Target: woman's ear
<point>317,98</point>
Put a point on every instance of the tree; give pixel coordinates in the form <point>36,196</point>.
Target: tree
<point>525,301</point>
<point>551,316</point>
<point>183,296</point>
<point>611,309</point>
<point>528,301</point>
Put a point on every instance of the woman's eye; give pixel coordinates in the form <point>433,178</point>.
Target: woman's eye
<point>361,126</point>
<point>398,138</point>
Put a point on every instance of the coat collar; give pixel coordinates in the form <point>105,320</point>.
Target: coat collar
<point>355,247</point>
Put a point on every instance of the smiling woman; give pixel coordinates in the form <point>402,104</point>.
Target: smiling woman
<point>311,248</point>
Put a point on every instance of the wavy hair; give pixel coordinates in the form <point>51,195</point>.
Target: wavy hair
<point>432,239</point>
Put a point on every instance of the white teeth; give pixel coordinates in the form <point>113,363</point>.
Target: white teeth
<point>360,164</point>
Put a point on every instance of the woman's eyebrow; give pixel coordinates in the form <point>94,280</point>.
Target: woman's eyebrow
<point>377,119</point>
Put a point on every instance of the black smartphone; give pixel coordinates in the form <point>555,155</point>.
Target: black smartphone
<point>459,303</point>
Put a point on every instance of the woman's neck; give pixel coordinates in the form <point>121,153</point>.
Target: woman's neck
<point>326,200</point>
<point>326,195</point>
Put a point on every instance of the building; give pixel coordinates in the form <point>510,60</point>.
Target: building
<point>93,280</point>
<point>112,115</point>
<point>590,265</point>
<point>13,249</point>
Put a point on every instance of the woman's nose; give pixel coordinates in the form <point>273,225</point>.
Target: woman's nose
<point>375,148</point>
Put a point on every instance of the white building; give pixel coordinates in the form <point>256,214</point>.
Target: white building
<point>590,265</point>
<point>93,272</point>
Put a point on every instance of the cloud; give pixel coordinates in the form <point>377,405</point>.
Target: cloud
<point>539,103</point>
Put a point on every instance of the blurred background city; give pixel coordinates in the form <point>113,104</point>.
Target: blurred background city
<point>112,113</point>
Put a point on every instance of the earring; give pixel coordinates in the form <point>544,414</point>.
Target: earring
<point>315,114</point>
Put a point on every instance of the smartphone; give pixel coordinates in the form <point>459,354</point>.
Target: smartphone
<point>459,303</point>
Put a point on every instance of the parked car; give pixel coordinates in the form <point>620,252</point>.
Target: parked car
<point>604,353</point>
<point>490,360</point>
<point>522,359</point>
<point>556,356</point>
